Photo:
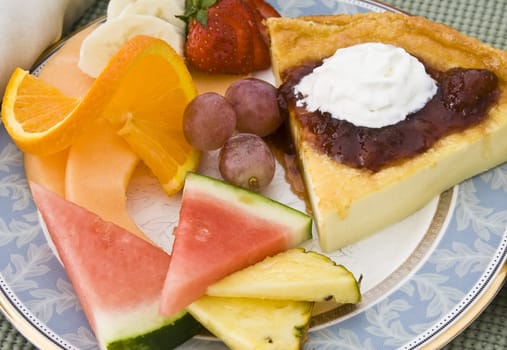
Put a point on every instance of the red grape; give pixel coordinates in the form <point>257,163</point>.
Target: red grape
<point>246,160</point>
<point>208,121</point>
<point>256,106</point>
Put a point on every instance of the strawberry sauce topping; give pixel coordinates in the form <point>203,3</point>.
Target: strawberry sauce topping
<point>463,99</point>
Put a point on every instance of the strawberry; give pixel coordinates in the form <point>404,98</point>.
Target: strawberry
<point>261,57</point>
<point>224,36</point>
<point>262,11</point>
<point>265,9</point>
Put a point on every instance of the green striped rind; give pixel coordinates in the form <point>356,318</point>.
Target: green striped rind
<point>255,204</point>
<point>169,336</point>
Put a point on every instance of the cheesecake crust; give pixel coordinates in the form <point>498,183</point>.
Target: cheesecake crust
<point>350,203</point>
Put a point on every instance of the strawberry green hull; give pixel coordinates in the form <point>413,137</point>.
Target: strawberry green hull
<point>117,276</point>
<point>222,229</point>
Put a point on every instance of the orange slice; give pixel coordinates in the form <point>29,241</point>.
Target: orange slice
<point>143,91</point>
<point>37,115</point>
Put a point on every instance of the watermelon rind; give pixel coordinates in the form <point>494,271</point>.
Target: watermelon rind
<point>178,329</point>
<point>255,204</point>
<point>142,327</point>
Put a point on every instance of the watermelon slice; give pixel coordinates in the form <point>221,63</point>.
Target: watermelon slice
<point>117,276</point>
<point>222,229</point>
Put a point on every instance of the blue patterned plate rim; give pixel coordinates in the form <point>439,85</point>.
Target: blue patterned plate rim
<point>462,265</point>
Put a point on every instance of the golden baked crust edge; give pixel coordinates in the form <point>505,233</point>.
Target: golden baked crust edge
<point>296,40</point>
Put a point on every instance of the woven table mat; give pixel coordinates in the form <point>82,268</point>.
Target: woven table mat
<point>484,19</point>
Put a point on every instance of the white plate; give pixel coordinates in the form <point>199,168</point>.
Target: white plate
<point>420,276</point>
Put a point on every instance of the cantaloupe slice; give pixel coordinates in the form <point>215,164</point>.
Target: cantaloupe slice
<point>47,171</point>
<point>101,163</point>
<point>61,69</point>
<point>99,167</point>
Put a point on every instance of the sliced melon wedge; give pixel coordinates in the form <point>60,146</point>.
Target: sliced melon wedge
<point>47,171</point>
<point>99,167</point>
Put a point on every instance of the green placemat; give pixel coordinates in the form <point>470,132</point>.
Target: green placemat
<point>484,19</point>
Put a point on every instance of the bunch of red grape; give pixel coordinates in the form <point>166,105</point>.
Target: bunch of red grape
<point>237,123</point>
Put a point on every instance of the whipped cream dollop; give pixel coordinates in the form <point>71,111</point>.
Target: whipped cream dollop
<point>371,85</point>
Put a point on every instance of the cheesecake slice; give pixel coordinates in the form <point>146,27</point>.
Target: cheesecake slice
<point>351,202</point>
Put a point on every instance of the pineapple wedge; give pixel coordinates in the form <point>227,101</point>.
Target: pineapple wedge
<point>254,324</point>
<point>292,275</point>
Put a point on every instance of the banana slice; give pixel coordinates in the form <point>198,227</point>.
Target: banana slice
<point>98,47</point>
<point>163,9</point>
<point>115,7</point>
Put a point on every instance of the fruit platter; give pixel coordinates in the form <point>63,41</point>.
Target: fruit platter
<point>166,180</point>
